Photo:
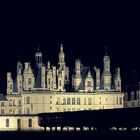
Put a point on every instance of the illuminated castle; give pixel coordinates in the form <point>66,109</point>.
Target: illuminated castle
<point>48,89</point>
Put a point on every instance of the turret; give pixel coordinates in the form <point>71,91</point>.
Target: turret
<point>19,77</point>
<point>106,77</point>
<point>9,83</point>
<point>97,72</point>
<point>89,82</point>
<point>61,62</point>
<point>38,58</point>
<point>77,68</point>
<point>117,80</point>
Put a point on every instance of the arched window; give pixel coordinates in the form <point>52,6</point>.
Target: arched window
<point>68,101</point>
<point>78,101</point>
<point>73,101</point>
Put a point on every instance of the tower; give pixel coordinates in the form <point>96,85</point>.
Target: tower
<point>97,73</point>
<point>38,58</point>
<point>61,58</point>
<point>89,82</point>
<point>77,78</point>
<point>106,77</point>
<point>9,83</point>
<point>19,77</point>
<point>78,68</point>
<point>117,80</point>
<point>19,68</point>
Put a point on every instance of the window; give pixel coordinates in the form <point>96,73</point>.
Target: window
<point>2,111</point>
<point>30,122</point>
<point>89,83</point>
<point>89,101</point>
<point>10,86</point>
<point>73,101</point>
<point>117,100</point>
<point>7,122</point>
<point>2,103</point>
<point>133,104</point>
<point>78,101</point>
<point>28,100</point>
<point>120,100</point>
<point>68,101</point>
<point>29,81</point>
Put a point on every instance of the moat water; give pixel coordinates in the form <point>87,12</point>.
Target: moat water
<point>104,135</point>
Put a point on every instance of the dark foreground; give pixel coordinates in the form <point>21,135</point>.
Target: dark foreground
<point>70,135</point>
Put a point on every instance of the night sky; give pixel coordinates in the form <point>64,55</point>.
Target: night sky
<point>84,28</point>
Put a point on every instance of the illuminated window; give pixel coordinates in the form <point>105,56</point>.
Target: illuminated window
<point>2,103</point>
<point>30,122</point>
<point>29,80</point>
<point>78,101</point>
<point>68,101</point>
<point>73,101</point>
<point>28,100</point>
<point>89,83</point>
<point>7,122</point>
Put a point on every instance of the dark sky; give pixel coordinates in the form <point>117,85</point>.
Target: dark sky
<point>85,28</point>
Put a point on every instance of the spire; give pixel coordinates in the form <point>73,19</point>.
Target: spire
<point>38,47</point>
<point>61,57</point>
<point>48,64</point>
<point>106,49</point>
<point>61,48</point>
<point>38,57</point>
